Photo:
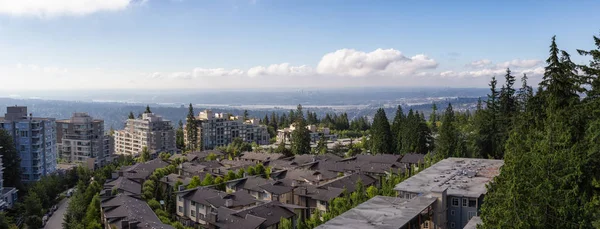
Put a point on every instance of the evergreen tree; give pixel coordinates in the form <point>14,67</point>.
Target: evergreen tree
<point>145,156</point>
<point>550,153</point>
<point>433,118</point>
<point>208,180</point>
<point>92,215</point>
<point>194,182</point>
<point>524,94</point>
<point>593,70</point>
<point>131,116</point>
<point>397,129</point>
<point>381,138</point>
<point>179,136</point>
<point>447,142</point>
<point>300,138</point>
<point>11,161</point>
<point>322,145</point>
<point>284,150</point>
<point>147,111</point>
<point>191,128</point>
<point>245,115</point>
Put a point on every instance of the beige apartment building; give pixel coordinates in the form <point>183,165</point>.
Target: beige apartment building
<point>150,131</point>
<point>219,129</point>
<point>81,139</point>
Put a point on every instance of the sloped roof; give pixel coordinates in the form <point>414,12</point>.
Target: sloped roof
<point>349,182</point>
<point>172,178</point>
<point>261,156</point>
<point>124,207</point>
<point>413,158</point>
<point>208,196</point>
<point>125,184</point>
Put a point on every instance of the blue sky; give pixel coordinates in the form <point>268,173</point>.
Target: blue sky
<point>282,43</point>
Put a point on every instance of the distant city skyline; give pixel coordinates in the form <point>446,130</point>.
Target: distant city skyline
<point>188,44</point>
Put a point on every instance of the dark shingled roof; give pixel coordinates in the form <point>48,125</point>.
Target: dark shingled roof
<point>208,196</point>
<point>249,183</point>
<point>261,156</point>
<point>128,208</point>
<point>379,158</point>
<point>349,182</point>
<point>261,216</point>
<point>172,178</point>
<point>142,170</point>
<point>125,184</point>
<point>413,158</point>
<point>304,174</point>
<point>314,192</point>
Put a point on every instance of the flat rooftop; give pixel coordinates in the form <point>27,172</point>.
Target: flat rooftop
<point>380,212</point>
<point>462,176</point>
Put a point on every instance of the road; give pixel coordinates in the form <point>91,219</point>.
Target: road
<point>56,220</point>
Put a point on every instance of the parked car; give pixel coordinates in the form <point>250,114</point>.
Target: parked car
<point>54,208</point>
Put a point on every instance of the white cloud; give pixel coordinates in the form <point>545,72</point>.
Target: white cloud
<point>480,63</point>
<point>284,69</point>
<point>518,63</point>
<point>180,75</point>
<point>349,62</point>
<point>215,72</point>
<point>489,72</point>
<point>61,7</point>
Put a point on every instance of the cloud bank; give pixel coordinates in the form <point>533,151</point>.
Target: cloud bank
<point>51,8</point>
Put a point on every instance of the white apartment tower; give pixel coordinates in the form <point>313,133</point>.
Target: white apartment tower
<point>81,139</point>
<point>151,131</point>
<point>219,129</point>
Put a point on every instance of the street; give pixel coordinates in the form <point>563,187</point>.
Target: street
<point>56,220</point>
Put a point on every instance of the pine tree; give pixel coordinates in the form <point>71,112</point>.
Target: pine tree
<point>447,142</point>
<point>191,129</point>
<point>322,145</point>
<point>11,161</point>
<point>593,70</point>
<point>131,116</point>
<point>397,129</point>
<point>381,138</point>
<point>300,138</point>
<point>179,136</point>
<point>245,115</point>
<point>524,94</point>
<point>145,156</point>
<point>147,111</point>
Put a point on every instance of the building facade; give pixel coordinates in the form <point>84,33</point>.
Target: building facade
<point>151,131</point>
<point>81,139</point>
<point>35,140</point>
<point>219,129</point>
<point>315,134</point>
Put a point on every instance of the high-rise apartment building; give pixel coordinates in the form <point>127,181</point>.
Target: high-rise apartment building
<point>35,139</point>
<point>81,139</point>
<point>151,131</point>
<point>219,129</point>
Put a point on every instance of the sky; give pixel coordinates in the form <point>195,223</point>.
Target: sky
<point>200,44</point>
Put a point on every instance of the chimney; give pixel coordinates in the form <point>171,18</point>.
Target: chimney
<point>125,224</point>
<point>294,184</point>
<point>212,217</point>
<point>228,203</point>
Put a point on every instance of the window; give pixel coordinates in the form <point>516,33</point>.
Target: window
<point>201,206</point>
<point>200,215</point>
<point>426,224</point>
<point>452,212</point>
<point>472,203</point>
<point>23,133</point>
<point>452,225</point>
<point>455,202</point>
<point>180,198</point>
<point>471,214</point>
<point>406,196</point>
<point>181,209</point>
<point>193,214</point>
<point>193,203</point>
<point>465,202</point>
